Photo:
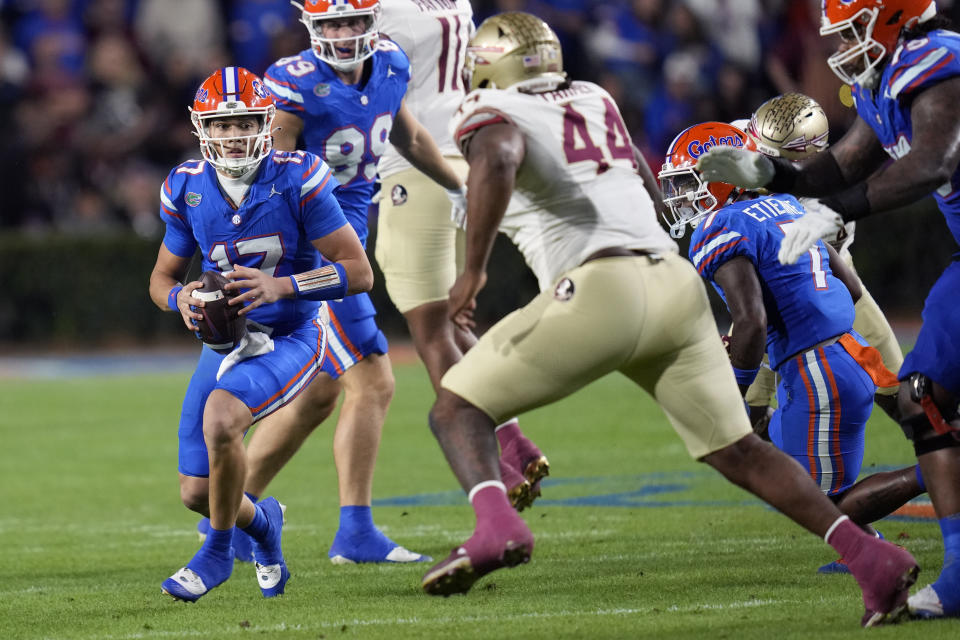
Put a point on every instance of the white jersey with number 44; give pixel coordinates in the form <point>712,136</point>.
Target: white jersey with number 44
<point>577,189</point>
<point>434,35</point>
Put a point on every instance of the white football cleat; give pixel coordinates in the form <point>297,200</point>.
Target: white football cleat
<point>925,603</point>
<point>185,585</point>
<point>272,578</point>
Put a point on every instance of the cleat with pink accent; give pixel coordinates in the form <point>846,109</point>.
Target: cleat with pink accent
<point>519,452</point>
<point>518,489</point>
<point>537,469</point>
<point>885,574</point>
<point>475,559</point>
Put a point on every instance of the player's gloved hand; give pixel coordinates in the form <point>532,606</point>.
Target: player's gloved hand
<point>458,212</point>
<point>739,167</point>
<point>820,221</point>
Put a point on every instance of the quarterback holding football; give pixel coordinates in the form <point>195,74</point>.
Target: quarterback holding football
<point>261,217</point>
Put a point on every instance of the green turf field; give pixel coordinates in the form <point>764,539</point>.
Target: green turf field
<point>634,540</point>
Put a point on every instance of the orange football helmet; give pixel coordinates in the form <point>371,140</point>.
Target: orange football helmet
<point>314,12</point>
<point>687,197</point>
<point>231,92</point>
<point>870,30</point>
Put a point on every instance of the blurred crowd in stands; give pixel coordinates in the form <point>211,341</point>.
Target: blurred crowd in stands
<point>94,93</point>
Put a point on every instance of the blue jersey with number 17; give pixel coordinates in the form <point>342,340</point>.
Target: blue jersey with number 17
<point>805,303</point>
<point>347,125</point>
<point>290,204</point>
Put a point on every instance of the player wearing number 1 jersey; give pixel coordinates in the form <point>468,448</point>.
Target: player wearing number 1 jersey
<point>345,96</point>
<point>801,314</point>
<point>902,60</point>
<point>550,157</point>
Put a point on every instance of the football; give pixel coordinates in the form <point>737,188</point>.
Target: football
<point>221,328</point>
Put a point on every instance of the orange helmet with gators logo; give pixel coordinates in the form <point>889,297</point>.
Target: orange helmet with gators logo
<point>314,12</point>
<point>687,197</point>
<point>231,92</point>
<point>870,30</point>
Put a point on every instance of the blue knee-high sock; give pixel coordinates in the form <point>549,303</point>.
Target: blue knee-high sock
<point>947,585</point>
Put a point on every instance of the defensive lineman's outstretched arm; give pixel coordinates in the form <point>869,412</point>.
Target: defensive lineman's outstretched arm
<point>857,155</point>
<point>934,152</point>
<point>849,173</point>
<point>923,166</point>
<point>845,273</point>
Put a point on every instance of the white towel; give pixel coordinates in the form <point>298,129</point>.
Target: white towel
<point>253,343</point>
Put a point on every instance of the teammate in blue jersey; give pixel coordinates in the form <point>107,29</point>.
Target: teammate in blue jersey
<point>793,126</point>
<point>904,67</point>
<point>263,218</point>
<point>801,314</point>
<point>345,96</point>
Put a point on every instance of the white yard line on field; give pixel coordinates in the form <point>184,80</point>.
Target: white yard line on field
<point>497,617</point>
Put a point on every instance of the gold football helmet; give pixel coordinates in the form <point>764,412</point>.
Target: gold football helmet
<point>790,126</point>
<point>513,48</point>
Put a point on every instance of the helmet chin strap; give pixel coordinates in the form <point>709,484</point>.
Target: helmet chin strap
<point>346,67</point>
<point>239,172</point>
<point>223,163</point>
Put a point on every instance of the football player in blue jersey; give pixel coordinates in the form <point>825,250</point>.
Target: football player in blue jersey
<point>345,96</point>
<point>903,65</point>
<point>801,314</point>
<point>793,126</point>
<point>262,217</point>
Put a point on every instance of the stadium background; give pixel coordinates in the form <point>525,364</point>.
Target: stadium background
<point>93,97</point>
